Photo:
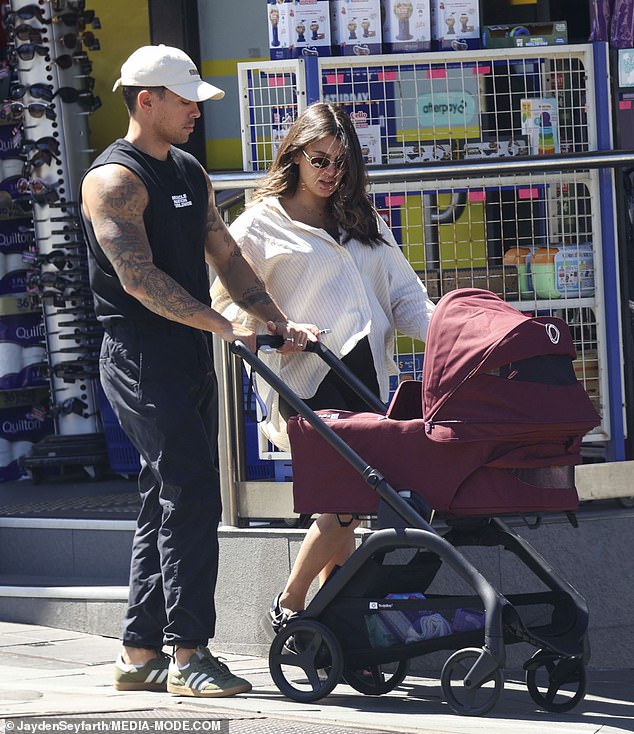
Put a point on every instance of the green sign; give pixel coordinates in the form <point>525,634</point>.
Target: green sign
<point>447,109</point>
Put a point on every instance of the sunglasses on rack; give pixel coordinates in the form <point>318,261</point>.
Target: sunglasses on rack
<point>38,90</point>
<point>39,159</point>
<point>323,161</point>
<point>65,61</point>
<point>26,32</point>
<point>14,111</point>
<point>39,191</point>
<point>28,12</point>
<point>83,97</point>
<point>80,20</point>
<point>75,40</point>
<point>58,260</point>
<point>47,143</point>
<point>60,5</point>
<point>26,52</point>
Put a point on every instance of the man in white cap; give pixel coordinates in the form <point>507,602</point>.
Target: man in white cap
<point>151,226</point>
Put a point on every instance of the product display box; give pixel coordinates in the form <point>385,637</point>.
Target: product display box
<point>298,28</point>
<point>310,28</point>
<point>279,23</point>
<point>540,123</point>
<point>491,279</point>
<point>369,135</point>
<point>406,26</point>
<point>355,27</point>
<point>552,33</point>
<point>510,148</point>
<point>455,25</point>
<point>415,152</point>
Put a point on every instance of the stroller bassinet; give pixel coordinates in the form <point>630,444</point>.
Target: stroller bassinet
<point>494,428</point>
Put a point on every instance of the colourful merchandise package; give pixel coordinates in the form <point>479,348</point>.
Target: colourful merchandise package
<point>406,26</point>
<point>21,426</point>
<point>355,26</point>
<point>540,123</point>
<point>455,24</point>
<point>310,28</point>
<point>279,24</point>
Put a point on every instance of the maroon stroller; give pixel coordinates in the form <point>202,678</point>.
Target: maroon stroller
<point>494,429</point>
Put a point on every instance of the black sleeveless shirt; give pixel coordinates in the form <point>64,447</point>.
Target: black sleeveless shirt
<point>175,221</point>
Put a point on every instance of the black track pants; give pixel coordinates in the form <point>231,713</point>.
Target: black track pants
<point>161,385</point>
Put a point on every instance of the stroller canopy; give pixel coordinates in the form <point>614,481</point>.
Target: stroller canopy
<point>491,371</point>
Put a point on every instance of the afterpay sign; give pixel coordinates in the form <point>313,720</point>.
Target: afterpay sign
<point>447,109</point>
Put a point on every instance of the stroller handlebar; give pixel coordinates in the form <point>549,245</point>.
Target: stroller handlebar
<point>271,340</point>
<point>339,368</point>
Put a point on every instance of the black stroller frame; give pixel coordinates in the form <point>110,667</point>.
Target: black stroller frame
<point>315,646</point>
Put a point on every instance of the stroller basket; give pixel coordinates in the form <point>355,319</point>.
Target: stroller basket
<point>472,452</point>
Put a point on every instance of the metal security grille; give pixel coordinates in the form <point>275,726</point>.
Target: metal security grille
<point>532,238</point>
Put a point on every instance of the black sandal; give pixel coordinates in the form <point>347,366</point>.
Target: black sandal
<point>279,618</point>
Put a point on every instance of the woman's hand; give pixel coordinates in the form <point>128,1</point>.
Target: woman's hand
<point>296,336</point>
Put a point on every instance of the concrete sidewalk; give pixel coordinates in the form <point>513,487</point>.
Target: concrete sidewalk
<point>68,675</point>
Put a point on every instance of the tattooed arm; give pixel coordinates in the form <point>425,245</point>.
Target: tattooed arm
<point>243,285</point>
<point>114,200</point>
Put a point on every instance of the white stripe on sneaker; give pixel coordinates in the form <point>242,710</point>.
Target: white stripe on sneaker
<point>156,676</point>
<point>197,680</point>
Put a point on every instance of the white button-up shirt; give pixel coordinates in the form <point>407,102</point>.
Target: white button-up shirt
<point>355,290</point>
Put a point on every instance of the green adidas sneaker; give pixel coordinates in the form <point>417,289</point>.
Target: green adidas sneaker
<point>149,677</point>
<point>205,677</point>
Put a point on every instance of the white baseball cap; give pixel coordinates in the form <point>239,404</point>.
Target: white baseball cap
<point>169,67</point>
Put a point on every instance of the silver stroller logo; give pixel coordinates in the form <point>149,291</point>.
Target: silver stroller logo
<point>553,333</point>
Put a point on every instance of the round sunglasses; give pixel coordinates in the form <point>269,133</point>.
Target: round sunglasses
<point>323,161</point>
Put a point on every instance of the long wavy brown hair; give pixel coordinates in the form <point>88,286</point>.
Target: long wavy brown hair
<point>350,203</point>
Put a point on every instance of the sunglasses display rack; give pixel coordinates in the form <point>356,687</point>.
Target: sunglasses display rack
<point>48,99</point>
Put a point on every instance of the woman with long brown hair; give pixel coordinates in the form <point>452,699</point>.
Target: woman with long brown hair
<point>323,252</point>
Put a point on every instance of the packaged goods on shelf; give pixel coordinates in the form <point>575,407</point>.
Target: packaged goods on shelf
<point>21,428</point>
<point>355,27</point>
<point>566,271</point>
<point>517,266</point>
<point>22,351</point>
<point>406,26</point>
<point>410,152</point>
<point>455,25</point>
<point>279,24</point>
<point>550,33</point>
<point>369,137</point>
<point>312,28</point>
<point>496,148</point>
<point>540,122</point>
<point>492,279</point>
<point>10,140</point>
<point>309,28</point>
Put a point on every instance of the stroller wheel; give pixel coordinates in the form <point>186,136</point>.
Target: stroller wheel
<point>556,684</point>
<point>305,660</point>
<point>374,680</point>
<point>470,700</point>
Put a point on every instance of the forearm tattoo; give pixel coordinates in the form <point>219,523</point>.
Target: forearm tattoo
<point>254,296</point>
<point>215,223</point>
